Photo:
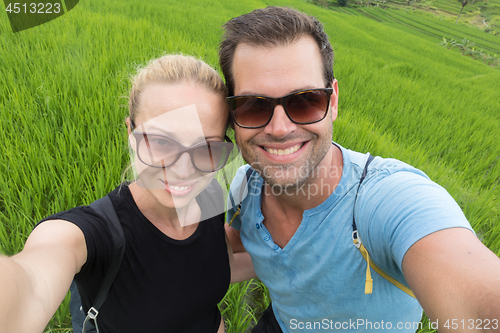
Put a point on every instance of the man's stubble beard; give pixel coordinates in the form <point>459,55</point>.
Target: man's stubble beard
<point>303,172</point>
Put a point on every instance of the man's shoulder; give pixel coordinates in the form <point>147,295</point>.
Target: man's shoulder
<point>379,167</point>
<point>239,188</point>
<point>240,178</point>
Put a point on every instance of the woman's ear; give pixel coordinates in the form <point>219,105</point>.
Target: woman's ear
<point>131,138</point>
<point>128,122</point>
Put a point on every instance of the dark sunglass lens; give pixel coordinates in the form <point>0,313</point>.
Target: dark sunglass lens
<point>307,107</point>
<point>157,150</point>
<point>212,156</point>
<point>252,111</point>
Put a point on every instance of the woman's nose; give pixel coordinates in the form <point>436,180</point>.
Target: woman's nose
<point>183,167</point>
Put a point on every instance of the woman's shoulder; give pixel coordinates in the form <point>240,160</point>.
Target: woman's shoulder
<point>76,215</point>
<point>85,212</point>
<point>211,201</point>
<point>215,189</point>
<point>96,230</point>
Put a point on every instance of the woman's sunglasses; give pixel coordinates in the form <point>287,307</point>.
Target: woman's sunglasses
<point>302,107</point>
<point>161,151</point>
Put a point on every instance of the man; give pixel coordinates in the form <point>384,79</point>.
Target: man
<point>297,219</point>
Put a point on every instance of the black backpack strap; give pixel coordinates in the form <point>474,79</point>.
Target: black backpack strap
<point>363,176</point>
<point>248,174</point>
<point>104,207</point>
<point>364,252</point>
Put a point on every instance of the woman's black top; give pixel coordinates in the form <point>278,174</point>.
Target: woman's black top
<point>163,285</point>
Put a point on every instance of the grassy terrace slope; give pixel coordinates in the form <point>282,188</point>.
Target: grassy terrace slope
<point>484,15</point>
<point>401,95</point>
<point>429,26</point>
<point>435,20</point>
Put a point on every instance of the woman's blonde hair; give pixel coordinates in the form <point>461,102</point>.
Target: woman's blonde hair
<point>173,68</point>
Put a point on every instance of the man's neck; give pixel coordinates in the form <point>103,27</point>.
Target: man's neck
<point>283,213</point>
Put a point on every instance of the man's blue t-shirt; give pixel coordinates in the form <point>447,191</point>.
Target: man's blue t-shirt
<point>317,281</point>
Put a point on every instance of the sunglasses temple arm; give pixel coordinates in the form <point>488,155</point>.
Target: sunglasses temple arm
<point>150,151</point>
<point>211,157</point>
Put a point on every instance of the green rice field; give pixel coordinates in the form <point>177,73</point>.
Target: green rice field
<point>482,14</point>
<point>429,27</point>
<point>62,107</point>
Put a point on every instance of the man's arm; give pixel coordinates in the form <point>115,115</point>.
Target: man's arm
<point>456,279</point>
<point>240,261</point>
<point>234,238</point>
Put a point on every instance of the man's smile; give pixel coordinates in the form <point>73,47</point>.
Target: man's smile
<point>283,151</point>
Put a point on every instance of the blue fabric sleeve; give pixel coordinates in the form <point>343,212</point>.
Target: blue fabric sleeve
<point>398,210</point>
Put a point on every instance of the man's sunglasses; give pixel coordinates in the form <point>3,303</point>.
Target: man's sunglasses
<point>161,151</point>
<point>302,107</point>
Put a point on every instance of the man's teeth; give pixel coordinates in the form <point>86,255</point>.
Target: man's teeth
<point>281,152</point>
<point>179,188</point>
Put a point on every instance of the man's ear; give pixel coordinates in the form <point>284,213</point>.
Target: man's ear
<point>334,99</point>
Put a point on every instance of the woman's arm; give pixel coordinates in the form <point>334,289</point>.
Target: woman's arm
<point>241,263</point>
<point>34,282</point>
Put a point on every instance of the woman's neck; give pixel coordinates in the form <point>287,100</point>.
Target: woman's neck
<point>175,222</point>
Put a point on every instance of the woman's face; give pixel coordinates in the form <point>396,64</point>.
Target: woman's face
<point>188,113</point>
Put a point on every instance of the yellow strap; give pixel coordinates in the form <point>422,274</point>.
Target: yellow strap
<point>369,281</point>
<point>235,214</point>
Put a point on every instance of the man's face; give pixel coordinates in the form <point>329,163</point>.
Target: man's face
<point>284,153</point>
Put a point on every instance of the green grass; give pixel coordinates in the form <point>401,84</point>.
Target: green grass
<point>440,12</point>
<point>401,95</point>
<point>438,28</point>
<point>428,26</point>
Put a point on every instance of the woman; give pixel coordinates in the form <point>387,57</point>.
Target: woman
<point>175,269</point>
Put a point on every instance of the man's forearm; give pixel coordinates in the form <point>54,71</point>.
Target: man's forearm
<point>234,238</point>
<point>243,268</point>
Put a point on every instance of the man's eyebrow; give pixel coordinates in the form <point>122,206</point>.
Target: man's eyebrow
<point>291,92</point>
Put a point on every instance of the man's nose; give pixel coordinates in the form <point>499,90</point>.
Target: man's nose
<point>280,124</point>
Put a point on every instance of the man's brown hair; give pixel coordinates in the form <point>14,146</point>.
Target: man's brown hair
<point>272,26</point>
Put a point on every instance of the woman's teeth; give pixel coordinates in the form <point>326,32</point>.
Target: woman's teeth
<point>179,188</point>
